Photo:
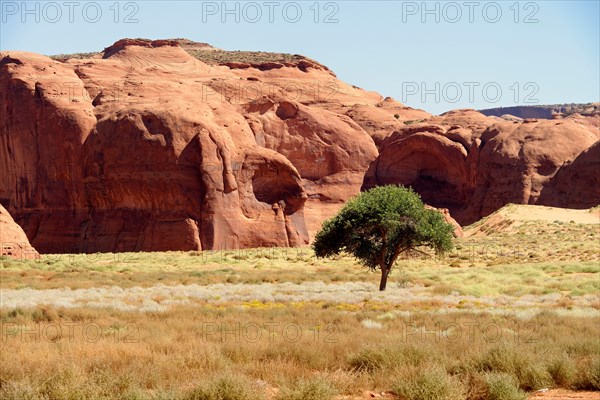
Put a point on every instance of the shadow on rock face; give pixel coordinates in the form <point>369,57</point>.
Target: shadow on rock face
<point>473,171</point>
<point>434,166</point>
<point>159,168</point>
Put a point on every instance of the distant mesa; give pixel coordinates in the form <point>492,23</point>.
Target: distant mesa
<point>546,111</point>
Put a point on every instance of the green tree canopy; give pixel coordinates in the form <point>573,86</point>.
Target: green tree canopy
<point>380,224</point>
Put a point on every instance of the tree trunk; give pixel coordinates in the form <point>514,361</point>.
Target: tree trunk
<point>384,275</point>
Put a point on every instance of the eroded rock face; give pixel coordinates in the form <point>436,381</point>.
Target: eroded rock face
<point>125,154</point>
<point>473,165</point>
<point>329,150</point>
<point>13,241</point>
<point>144,147</point>
<point>517,161</point>
<point>577,183</point>
<point>385,117</point>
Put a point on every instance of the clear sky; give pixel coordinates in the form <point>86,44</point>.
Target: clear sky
<point>436,55</point>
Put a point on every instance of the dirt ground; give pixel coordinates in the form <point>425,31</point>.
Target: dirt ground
<point>554,394</point>
<point>512,216</point>
<point>561,394</point>
<point>550,214</point>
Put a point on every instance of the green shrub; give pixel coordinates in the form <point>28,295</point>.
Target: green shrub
<point>316,389</point>
<point>529,375</point>
<point>503,387</point>
<point>228,387</point>
<point>563,371</point>
<point>589,376</point>
<point>432,384</point>
<point>371,359</point>
<point>534,377</point>
<point>501,359</point>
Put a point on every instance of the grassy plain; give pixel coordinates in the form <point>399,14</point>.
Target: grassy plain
<point>513,309</point>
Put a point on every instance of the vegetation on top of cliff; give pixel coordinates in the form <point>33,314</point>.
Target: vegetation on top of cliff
<point>65,57</point>
<point>210,55</point>
<point>220,57</point>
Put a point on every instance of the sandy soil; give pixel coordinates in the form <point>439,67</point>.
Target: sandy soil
<point>554,394</point>
<point>551,214</point>
<point>561,394</point>
<point>511,216</point>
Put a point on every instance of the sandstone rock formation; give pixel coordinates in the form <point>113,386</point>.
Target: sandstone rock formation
<point>473,165</point>
<point>328,149</point>
<point>13,242</point>
<point>176,145</point>
<point>577,183</point>
<point>145,147</point>
<point>125,154</point>
<point>382,119</point>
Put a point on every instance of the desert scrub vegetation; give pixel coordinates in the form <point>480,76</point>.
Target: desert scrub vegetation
<point>219,57</point>
<point>508,360</point>
<point>344,296</point>
<point>566,278</point>
<point>64,57</point>
<point>214,56</point>
<point>226,387</point>
<point>314,389</point>
<point>534,257</point>
<point>500,386</point>
<point>503,314</point>
<point>428,384</point>
<point>199,352</point>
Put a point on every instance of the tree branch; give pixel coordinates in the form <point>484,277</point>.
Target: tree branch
<point>396,254</point>
<point>422,252</point>
<point>384,247</point>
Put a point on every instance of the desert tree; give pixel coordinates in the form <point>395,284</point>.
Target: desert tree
<point>379,225</point>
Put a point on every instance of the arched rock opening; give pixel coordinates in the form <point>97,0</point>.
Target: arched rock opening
<point>431,164</point>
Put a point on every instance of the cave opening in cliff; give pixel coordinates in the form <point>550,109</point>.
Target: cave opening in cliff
<point>272,186</point>
<point>438,182</point>
<point>437,191</point>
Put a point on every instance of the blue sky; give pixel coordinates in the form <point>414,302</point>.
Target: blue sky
<point>436,55</point>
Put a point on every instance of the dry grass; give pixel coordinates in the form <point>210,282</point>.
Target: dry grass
<point>538,258</point>
<point>499,316</point>
<point>213,56</point>
<point>192,352</point>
